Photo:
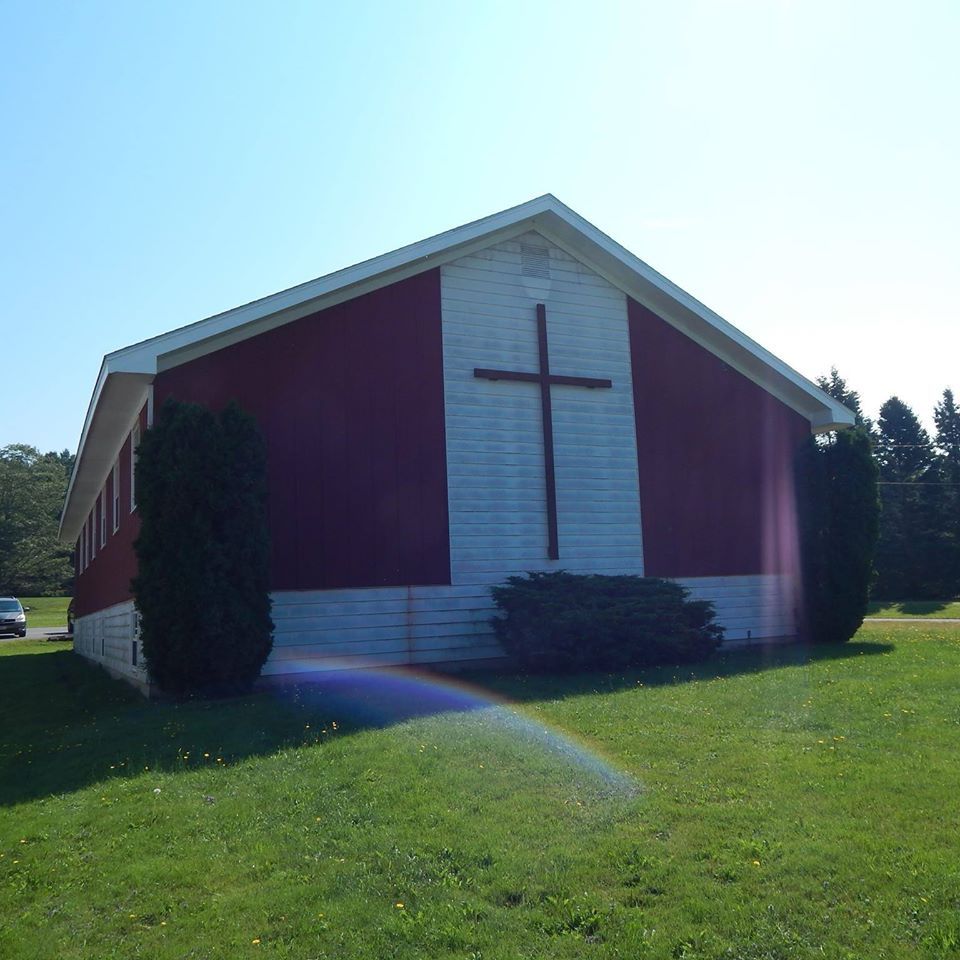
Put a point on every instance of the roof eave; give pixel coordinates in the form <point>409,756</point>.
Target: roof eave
<point>126,373</point>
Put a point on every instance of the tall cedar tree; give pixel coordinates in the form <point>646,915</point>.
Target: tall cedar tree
<point>202,590</point>
<point>909,554</point>
<point>838,519</point>
<point>946,417</point>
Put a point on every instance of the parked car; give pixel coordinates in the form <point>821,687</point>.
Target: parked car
<point>12,618</point>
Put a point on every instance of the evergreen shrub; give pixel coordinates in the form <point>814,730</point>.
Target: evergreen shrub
<point>839,513</point>
<point>563,621</point>
<point>202,589</point>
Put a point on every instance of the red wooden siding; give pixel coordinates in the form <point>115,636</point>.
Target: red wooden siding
<point>715,458</point>
<point>106,580</point>
<point>350,401</point>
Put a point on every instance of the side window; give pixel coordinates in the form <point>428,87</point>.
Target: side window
<point>103,517</point>
<point>92,535</point>
<point>83,548</point>
<point>134,443</point>
<point>116,495</point>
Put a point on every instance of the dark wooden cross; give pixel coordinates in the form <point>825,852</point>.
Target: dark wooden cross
<point>546,380</point>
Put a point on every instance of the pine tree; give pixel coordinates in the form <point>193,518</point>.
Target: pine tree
<point>946,417</point>
<point>909,551</point>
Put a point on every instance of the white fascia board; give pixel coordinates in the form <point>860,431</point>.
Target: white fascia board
<point>545,214</point>
<point>258,324</point>
<point>84,433</point>
<point>345,284</point>
<point>117,399</point>
<point>635,277</point>
<point>146,357</point>
<point>556,221</point>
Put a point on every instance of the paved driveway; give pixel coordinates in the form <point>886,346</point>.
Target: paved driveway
<point>38,633</point>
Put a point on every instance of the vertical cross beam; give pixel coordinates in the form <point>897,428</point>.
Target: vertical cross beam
<point>546,411</point>
<point>545,379</point>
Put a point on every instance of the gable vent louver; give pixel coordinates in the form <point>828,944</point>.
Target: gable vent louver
<point>535,261</point>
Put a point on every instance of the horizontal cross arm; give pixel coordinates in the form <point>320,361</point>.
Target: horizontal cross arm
<point>592,382</point>
<point>486,374</point>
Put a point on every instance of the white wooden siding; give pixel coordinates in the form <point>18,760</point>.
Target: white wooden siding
<point>749,607</point>
<point>396,626</point>
<point>323,630</point>
<point>383,626</point>
<point>495,471</point>
<point>106,637</point>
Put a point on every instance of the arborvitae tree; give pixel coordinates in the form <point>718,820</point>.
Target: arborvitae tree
<point>837,388</point>
<point>838,519</point>
<point>203,552</point>
<point>909,551</point>
<point>946,417</point>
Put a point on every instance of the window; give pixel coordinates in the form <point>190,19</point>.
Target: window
<point>115,483</point>
<point>134,443</point>
<point>103,517</point>
<point>83,548</point>
<point>92,535</point>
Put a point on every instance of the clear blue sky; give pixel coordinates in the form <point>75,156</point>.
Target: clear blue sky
<point>792,164</point>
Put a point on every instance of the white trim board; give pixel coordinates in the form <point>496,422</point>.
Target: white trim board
<point>140,362</point>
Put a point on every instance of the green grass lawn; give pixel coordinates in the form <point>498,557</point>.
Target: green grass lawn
<point>915,608</point>
<point>46,611</point>
<point>782,804</point>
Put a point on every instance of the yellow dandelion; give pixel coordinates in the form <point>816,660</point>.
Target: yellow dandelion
<point>255,940</point>
<point>206,756</point>
<point>399,906</point>
<point>756,863</point>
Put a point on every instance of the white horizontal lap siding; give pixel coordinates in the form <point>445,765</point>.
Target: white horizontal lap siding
<point>495,469</point>
<point>106,637</point>
<point>754,607</point>
<point>379,627</point>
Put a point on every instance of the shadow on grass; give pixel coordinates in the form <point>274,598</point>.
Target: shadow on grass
<point>64,724</point>
<point>910,608</point>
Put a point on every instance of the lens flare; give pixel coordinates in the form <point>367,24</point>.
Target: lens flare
<point>382,696</point>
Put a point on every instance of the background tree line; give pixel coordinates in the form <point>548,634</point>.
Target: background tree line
<point>918,552</point>
<point>33,563</point>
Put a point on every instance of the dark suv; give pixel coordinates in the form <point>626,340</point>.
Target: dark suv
<point>12,617</point>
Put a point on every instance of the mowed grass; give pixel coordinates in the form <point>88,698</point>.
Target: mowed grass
<point>46,612</point>
<point>780,804</point>
<point>949,609</point>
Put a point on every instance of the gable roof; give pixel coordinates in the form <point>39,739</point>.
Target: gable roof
<point>122,386</point>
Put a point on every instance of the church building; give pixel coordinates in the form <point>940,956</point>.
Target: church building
<point>519,393</point>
